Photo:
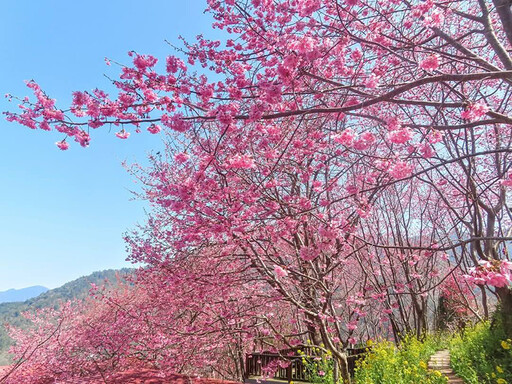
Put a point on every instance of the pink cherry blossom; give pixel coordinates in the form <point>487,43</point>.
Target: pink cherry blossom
<point>176,122</point>
<point>346,137</point>
<point>154,128</point>
<point>400,169</point>
<point>426,150</point>
<point>123,134</point>
<point>280,271</point>
<point>496,273</point>
<point>241,162</point>
<point>365,141</point>
<point>63,145</point>
<point>82,138</point>
<point>352,326</point>
<point>474,111</point>
<point>372,81</point>
<point>308,254</point>
<point>430,63</point>
<point>400,136</point>
<point>181,157</point>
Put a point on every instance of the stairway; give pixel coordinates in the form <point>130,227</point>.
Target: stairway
<point>440,361</point>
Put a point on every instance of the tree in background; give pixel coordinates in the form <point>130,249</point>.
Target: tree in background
<point>171,322</point>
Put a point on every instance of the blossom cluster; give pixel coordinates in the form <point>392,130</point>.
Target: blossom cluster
<point>495,273</point>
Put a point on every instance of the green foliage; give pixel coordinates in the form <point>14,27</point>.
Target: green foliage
<point>77,289</point>
<point>320,368</point>
<point>387,364</point>
<point>482,354</point>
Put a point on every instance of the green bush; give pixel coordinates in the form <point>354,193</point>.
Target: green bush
<point>320,368</point>
<point>482,354</point>
<point>387,364</point>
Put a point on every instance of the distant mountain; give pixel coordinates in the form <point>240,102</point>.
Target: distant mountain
<point>10,312</point>
<point>16,295</point>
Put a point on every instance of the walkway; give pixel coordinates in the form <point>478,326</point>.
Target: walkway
<point>440,361</point>
<point>145,376</point>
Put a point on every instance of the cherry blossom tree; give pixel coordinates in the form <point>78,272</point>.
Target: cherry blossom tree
<point>404,269</point>
<point>458,303</point>
<point>175,324</point>
<point>288,140</point>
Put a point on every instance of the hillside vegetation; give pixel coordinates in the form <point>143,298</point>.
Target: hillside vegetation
<point>11,313</point>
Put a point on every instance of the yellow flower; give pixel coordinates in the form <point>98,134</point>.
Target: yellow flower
<point>493,375</point>
<point>499,369</point>
<point>438,374</point>
<point>423,365</point>
<point>501,381</point>
<point>505,345</point>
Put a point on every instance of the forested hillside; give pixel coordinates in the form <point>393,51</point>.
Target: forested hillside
<point>77,289</point>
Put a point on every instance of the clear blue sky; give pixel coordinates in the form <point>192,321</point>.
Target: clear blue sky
<point>62,214</point>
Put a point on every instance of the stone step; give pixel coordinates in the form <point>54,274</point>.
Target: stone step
<point>440,361</point>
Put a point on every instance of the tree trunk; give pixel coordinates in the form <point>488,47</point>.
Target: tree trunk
<point>343,367</point>
<point>505,312</point>
<point>485,305</point>
<point>335,371</point>
<point>241,366</point>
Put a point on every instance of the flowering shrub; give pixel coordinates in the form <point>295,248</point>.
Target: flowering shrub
<point>319,369</point>
<point>482,354</point>
<point>387,364</point>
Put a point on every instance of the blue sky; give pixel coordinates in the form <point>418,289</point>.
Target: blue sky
<point>62,214</point>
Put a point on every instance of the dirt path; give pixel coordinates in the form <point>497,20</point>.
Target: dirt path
<point>440,361</point>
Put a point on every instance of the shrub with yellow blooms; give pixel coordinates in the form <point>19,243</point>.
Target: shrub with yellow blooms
<point>482,355</point>
<point>387,364</point>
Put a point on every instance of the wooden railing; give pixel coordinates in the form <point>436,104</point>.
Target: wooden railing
<point>295,370</point>
<point>256,362</point>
